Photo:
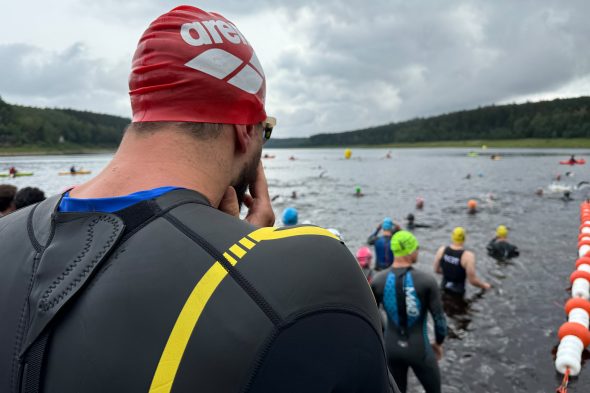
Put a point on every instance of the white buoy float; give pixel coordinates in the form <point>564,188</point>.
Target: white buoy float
<point>574,335</point>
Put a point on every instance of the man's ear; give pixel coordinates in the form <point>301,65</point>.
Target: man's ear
<point>244,136</point>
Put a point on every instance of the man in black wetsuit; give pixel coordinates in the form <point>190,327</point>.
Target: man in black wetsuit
<point>407,296</point>
<point>145,279</point>
<point>457,264</point>
<point>499,248</point>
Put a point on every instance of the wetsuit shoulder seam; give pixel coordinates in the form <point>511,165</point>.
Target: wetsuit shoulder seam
<point>238,277</point>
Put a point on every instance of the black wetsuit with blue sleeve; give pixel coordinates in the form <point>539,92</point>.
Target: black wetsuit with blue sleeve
<point>407,295</point>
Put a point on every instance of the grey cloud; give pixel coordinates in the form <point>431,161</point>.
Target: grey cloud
<point>69,78</point>
<point>356,63</point>
<point>389,61</point>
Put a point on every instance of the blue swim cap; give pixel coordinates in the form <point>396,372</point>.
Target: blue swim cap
<point>387,224</point>
<point>290,216</point>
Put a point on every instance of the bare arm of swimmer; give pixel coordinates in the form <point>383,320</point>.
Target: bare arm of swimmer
<point>437,257</point>
<point>468,263</point>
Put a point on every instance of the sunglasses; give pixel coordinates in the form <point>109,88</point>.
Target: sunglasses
<point>267,126</point>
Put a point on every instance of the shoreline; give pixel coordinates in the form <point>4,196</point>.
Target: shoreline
<point>46,151</point>
<point>532,143</point>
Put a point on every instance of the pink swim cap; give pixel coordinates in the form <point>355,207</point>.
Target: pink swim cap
<point>364,256</point>
<point>195,66</point>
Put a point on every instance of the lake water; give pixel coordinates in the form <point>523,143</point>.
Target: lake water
<point>503,342</point>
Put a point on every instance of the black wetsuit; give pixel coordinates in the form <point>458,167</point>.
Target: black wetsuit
<point>407,295</point>
<point>502,250</point>
<point>454,274</point>
<point>172,295</point>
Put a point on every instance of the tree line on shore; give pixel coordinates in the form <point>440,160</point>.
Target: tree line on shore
<point>559,118</point>
<point>25,126</point>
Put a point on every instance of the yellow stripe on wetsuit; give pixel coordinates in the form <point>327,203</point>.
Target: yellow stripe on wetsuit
<point>202,292</point>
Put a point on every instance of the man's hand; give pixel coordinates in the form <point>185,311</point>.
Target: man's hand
<point>260,211</point>
<point>438,351</point>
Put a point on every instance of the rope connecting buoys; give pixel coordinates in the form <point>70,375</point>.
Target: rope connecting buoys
<point>574,335</point>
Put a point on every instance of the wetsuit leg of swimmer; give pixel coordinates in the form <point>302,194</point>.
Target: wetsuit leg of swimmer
<point>399,371</point>
<point>428,374</point>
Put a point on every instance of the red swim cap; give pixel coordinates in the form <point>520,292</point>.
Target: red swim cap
<point>195,66</point>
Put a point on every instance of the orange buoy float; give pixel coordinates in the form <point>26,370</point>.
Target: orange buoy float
<point>574,335</point>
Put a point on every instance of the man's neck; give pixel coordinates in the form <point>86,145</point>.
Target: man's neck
<point>157,160</point>
<point>456,246</point>
<point>401,262</point>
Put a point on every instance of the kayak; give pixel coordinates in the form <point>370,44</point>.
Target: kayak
<point>18,174</point>
<point>576,162</point>
<point>82,172</point>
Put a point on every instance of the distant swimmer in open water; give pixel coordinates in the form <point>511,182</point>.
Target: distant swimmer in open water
<point>468,176</point>
<point>567,196</point>
<point>419,203</point>
<point>358,192</point>
<point>290,216</point>
<point>412,224</point>
<point>457,265</point>
<point>408,295</point>
<point>472,206</point>
<point>499,248</point>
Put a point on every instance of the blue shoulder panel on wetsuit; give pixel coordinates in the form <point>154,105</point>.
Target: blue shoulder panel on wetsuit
<point>413,304</point>
<point>112,204</point>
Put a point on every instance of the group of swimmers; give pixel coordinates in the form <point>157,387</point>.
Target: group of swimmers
<point>406,295</point>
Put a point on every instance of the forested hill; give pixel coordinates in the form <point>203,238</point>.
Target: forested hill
<point>560,118</point>
<point>25,126</point>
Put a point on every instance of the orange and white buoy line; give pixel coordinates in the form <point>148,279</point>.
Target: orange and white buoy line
<point>574,335</point>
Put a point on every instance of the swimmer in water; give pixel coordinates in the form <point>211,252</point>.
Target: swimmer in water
<point>294,195</point>
<point>539,191</point>
<point>419,203</point>
<point>567,196</point>
<point>468,176</point>
<point>472,206</point>
<point>358,192</point>
<point>408,295</point>
<point>364,258</point>
<point>290,216</point>
<point>411,224</point>
<point>457,265</point>
<point>499,248</point>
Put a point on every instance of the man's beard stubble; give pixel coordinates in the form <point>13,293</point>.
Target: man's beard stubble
<point>247,176</point>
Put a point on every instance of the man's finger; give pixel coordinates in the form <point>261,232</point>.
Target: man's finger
<point>259,189</point>
<point>229,202</point>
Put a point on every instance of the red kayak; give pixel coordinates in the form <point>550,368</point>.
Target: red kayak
<point>575,162</point>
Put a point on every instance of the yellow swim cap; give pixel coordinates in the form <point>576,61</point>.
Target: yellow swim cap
<point>502,231</point>
<point>458,235</point>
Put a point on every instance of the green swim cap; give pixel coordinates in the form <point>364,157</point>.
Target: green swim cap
<point>403,243</point>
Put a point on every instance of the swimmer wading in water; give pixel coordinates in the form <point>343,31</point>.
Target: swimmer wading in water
<point>408,294</point>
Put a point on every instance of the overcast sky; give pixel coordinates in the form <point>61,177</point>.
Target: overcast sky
<point>331,65</point>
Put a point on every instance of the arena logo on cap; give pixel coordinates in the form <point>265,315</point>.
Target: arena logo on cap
<point>211,31</point>
<point>220,63</point>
